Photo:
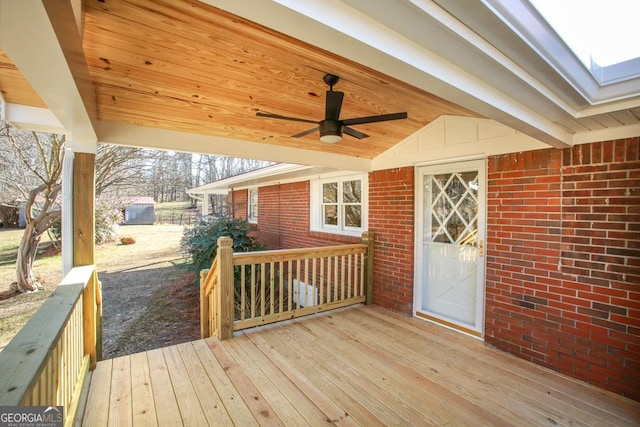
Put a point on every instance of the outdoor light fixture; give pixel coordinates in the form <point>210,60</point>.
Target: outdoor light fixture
<point>330,131</point>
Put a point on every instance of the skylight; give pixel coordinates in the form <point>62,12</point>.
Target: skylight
<point>602,34</point>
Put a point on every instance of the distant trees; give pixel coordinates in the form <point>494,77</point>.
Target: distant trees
<point>31,172</point>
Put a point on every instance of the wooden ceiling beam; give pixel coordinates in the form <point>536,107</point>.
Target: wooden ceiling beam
<point>42,39</point>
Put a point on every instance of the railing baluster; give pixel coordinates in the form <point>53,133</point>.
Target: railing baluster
<point>281,286</point>
<point>336,271</point>
<point>289,284</point>
<point>243,292</point>
<point>330,297</point>
<point>271,287</point>
<point>306,281</point>
<point>322,301</point>
<point>262,288</point>
<point>314,279</point>
<point>349,280</point>
<point>362,270</point>
<point>342,275</point>
<point>297,287</point>
<point>253,291</point>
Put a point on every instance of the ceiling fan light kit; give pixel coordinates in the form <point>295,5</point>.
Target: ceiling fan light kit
<point>330,131</point>
<point>332,128</point>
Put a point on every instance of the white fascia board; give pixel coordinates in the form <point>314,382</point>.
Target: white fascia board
<point>40,37</point>
<point>223,185</point>
<point>271,175</point>
<point>32,118</point>
<point>339,28</point>
<point>608,134</point>
<point>161,139</point>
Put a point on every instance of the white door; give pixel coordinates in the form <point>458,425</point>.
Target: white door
<point>450,245</point>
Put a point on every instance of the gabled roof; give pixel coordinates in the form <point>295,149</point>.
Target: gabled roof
<point>140,200</point>
<point>190,75</point>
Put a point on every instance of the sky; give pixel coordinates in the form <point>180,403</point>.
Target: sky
<point>605,30</point>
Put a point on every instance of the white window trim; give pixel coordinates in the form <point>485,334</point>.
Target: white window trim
<point>252,219</point>
<point>315,205</point>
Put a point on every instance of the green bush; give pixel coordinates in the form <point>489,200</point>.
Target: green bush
<point>200,242</point>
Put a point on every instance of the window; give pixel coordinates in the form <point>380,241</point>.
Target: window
<point>252,205</point>
<point>337,205</point>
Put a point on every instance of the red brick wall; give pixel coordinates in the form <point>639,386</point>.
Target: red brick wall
<point>238,203</point>
<point>283,218</point>
<point>563,261</point>
<point>391,218</point>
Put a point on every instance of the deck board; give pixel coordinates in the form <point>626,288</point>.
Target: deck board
<point>143,406</point>
<point>355,366</point>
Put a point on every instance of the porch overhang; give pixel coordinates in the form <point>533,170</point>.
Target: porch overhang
<point>427,57</point>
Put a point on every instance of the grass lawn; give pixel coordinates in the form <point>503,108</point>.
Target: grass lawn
<point>134,278</point>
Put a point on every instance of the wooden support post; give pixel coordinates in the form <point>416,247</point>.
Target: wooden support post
<point>367,239</point>
<point>225,289</point>
<point>84,208</point>
<point>84,226</point>
<point>205,331</point>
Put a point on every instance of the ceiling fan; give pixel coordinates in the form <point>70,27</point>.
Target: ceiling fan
<point>332,128</point>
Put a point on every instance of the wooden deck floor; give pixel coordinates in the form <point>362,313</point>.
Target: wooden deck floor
<point>357,366</point>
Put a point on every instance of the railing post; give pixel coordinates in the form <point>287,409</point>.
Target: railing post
<point>205,331</point>
<point>224,291</point>
<point>89,319</point>
<point>367,239</point>
<point>98,318</point>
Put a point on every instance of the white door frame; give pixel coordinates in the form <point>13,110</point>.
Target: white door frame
<point>420,170</point>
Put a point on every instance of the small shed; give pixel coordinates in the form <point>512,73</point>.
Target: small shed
<point>139,211</point>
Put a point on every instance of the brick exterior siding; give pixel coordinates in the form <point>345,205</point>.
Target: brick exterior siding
<point>563,254</point>
<point>563,261</point>
<point>283,218</point>
<point>391,218</point>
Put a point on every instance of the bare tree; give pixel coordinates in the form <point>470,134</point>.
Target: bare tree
<point>42,155</point>
<point>119,170</point>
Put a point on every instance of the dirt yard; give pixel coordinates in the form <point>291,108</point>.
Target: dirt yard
<point>150,299</point>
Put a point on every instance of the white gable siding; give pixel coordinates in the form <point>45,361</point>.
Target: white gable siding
<point>455,138</point>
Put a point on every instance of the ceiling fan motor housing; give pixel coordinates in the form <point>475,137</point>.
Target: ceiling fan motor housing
<point>330,131</point>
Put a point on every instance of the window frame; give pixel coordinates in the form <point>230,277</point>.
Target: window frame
<point>317,205</point>
<point>252,216</point>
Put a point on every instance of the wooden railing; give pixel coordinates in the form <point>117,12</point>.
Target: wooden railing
<point>47,362</point>
<point>242,290</point>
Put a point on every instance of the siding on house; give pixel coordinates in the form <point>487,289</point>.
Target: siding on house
<point>392,218</point>
<point>283,217</point>
<point>563,261</point>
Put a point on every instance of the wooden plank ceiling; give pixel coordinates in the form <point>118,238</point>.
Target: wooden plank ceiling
<point>15,88</point>
<point>186,66</point>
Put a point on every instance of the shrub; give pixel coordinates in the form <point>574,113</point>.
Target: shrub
<point>107,220</point>
<point>200,242</point>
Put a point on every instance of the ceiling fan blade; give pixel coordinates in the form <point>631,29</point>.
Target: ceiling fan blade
<point>334,104</point>
<point>354,133</point>
<point>305,133</point>
<point>373,119</point>
<point>276,116</point>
